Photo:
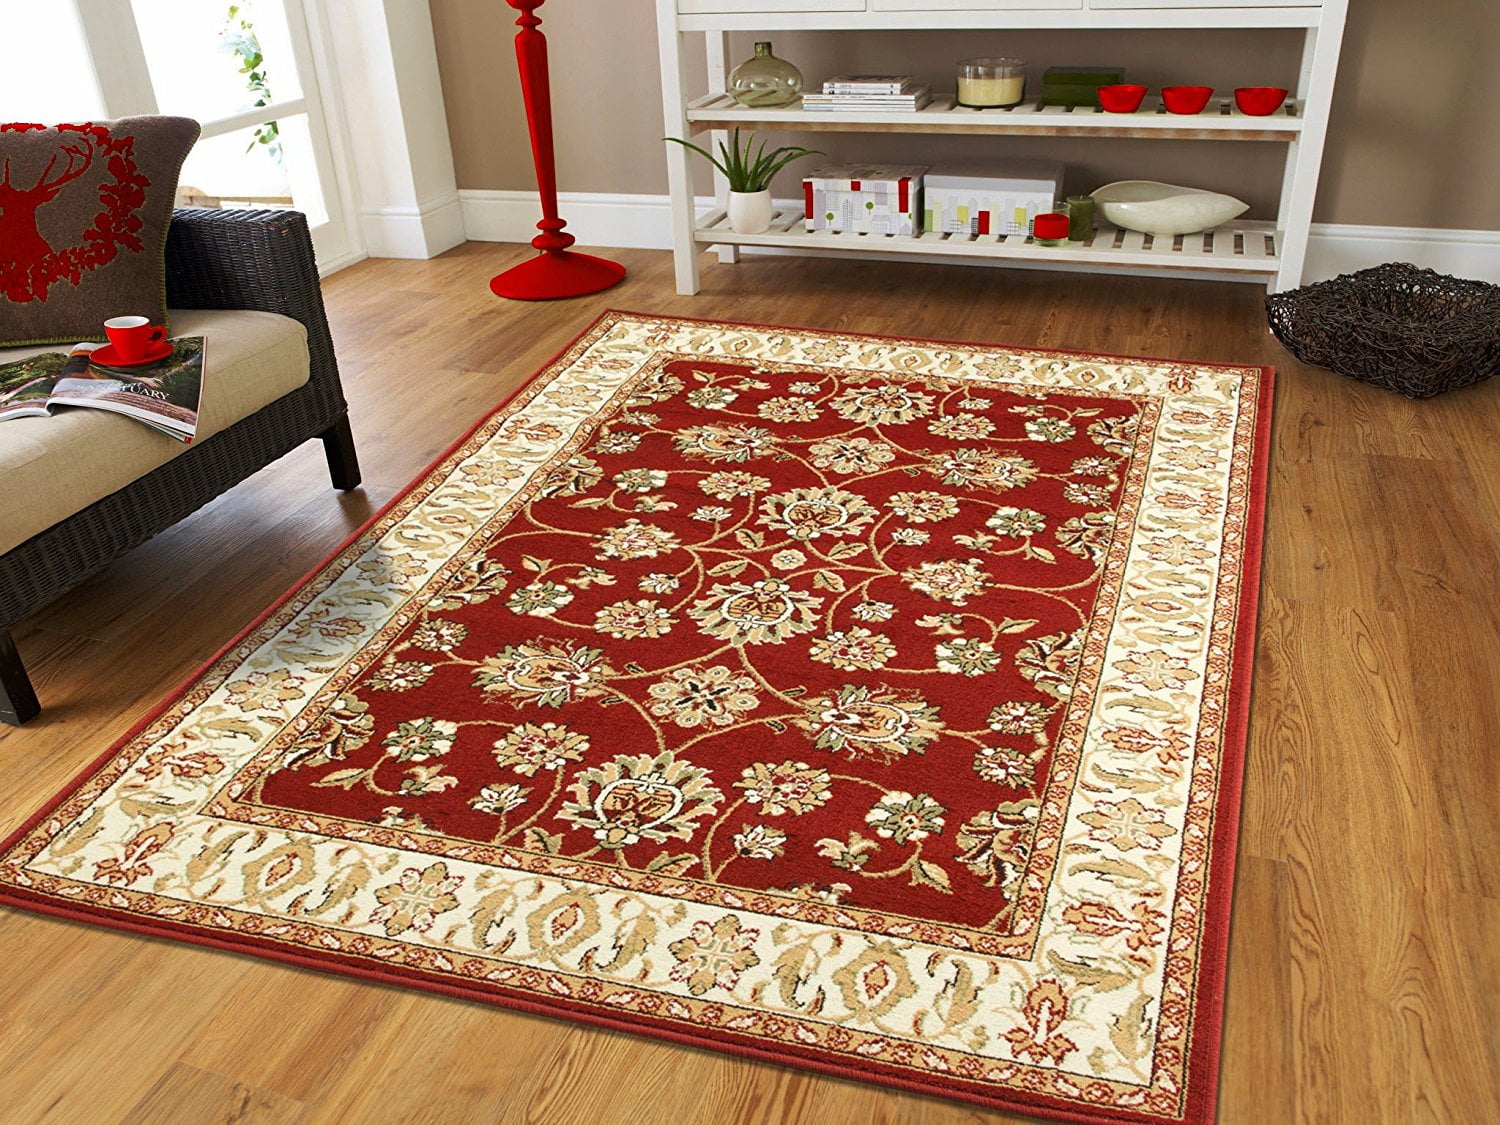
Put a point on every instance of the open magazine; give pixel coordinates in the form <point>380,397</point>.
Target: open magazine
<point>163,394</point>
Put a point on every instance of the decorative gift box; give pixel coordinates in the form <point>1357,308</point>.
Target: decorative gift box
<point>1078,85</point>
<point>990,197</point>
<point>865,199</point>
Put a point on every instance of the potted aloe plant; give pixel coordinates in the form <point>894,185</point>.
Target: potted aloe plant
<point>749,170</point>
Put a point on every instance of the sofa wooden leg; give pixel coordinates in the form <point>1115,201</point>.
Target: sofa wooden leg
<point>343,463</point>
<point>18,702</point>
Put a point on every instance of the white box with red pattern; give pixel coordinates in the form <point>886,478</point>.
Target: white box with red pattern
<point>865,199</point>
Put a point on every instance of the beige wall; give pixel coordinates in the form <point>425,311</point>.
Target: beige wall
<point>1414,138</point>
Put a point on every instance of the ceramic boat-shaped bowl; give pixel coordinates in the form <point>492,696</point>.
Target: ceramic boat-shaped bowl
<point>1165,210</point>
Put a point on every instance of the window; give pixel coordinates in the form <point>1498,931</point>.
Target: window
<point>30,89</point>
<point>243,69</point>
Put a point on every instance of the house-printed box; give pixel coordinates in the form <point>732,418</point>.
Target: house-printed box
<point>865,199</point>
<point>993,197</point>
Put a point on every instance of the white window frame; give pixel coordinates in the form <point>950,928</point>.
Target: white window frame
<point>123,78</point>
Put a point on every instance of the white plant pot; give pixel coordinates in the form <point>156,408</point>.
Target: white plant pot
<point>750,211</point>
<point>1165,210</point>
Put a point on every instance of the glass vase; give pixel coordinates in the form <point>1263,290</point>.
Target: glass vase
<point>765,81</point>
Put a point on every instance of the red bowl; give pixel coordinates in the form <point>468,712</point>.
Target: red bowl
<point>1186,99</point>
<point>1260,101</point>
<point>1121,99</point>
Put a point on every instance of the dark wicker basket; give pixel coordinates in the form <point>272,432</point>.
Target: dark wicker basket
<point>1406,329</point>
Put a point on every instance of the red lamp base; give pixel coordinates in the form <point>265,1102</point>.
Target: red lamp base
<point>554,274</point>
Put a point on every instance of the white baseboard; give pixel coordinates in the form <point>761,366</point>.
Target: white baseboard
<point>1335,248</point>
<point>639,222</point>
<point>645,222</point>
<point>413,232</point>
<point>328,266</point>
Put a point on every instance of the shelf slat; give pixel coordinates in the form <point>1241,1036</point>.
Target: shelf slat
<point>1008,19</point>
<point>1245,247</point>
<point>1221,121</point>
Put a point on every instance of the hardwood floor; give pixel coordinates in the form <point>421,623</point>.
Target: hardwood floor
<point>1364,981</point>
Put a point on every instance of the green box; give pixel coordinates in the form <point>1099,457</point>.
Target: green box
<point>1071,95</point>
<point>1094,76</point>
<point>1078,85</point>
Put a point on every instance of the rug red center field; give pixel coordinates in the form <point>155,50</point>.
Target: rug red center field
<point>865,703</point>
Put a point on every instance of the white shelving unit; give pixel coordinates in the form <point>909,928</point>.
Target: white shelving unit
<point>1272,253</point>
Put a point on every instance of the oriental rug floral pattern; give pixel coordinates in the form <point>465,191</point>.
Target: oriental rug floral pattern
<point>855,701</point>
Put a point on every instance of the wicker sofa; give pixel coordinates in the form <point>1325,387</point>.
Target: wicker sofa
<point>260,261</point>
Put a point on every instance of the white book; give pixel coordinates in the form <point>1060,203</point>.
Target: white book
<point>866,107</point>
<point>867,100</point>
<point>867,83</point>
<point>861,99</point>
<point>903,93</point>
<point>867,89</point>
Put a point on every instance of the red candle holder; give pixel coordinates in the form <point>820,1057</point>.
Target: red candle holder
<point>1050,228</point>
<point>556,271</point>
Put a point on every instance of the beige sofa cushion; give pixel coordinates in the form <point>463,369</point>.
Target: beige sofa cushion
<point>53,467</point>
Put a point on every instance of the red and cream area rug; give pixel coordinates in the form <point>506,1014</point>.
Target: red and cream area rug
<point>863,703</point>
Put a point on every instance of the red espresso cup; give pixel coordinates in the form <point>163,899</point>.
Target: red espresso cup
<point>133,336</point>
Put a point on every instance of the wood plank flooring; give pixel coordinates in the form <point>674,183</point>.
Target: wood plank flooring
<point>1364,981</point>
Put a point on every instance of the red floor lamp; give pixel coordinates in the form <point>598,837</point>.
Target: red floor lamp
<point>556,271</point>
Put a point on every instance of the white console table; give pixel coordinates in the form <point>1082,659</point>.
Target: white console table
<point>1272,253</point>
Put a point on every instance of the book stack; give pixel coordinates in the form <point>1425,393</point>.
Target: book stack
<point>856,92</point>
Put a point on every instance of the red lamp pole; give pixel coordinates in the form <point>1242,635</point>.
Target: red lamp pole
<point>556,271</point>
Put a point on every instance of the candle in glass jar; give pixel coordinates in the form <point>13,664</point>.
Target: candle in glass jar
<point>991,83</point>
<point>991,91</point>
